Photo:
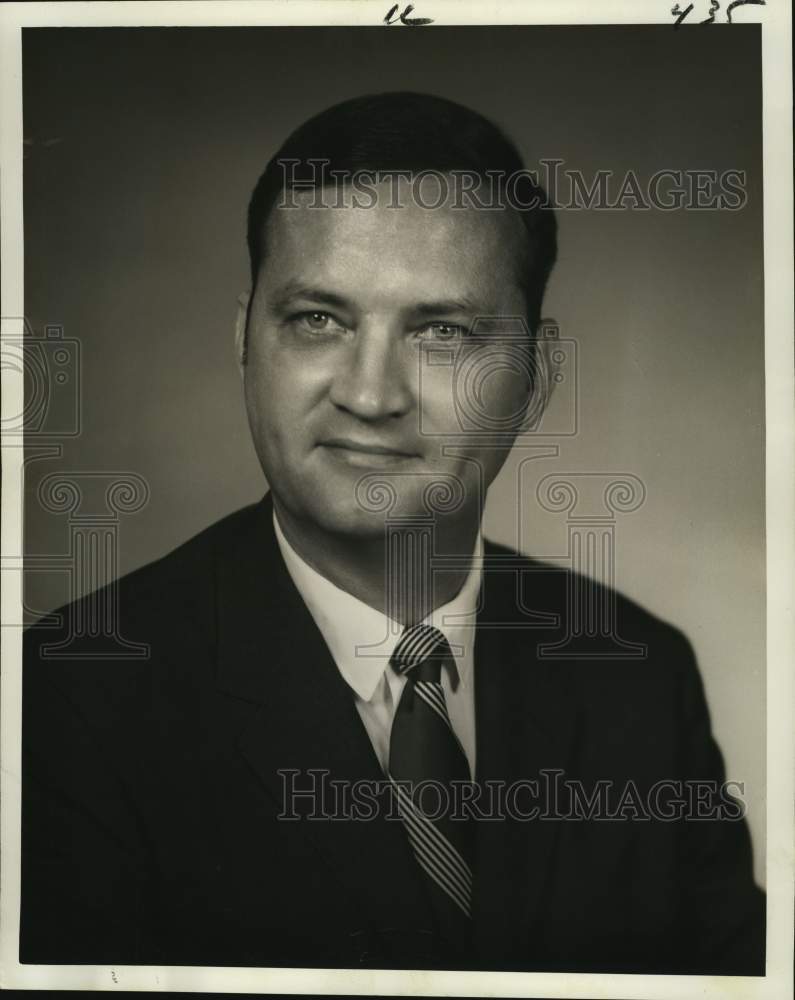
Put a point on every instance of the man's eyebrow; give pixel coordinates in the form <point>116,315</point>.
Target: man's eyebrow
<point>287,293</point>
<point>444,307</point>
<point>281,298</point>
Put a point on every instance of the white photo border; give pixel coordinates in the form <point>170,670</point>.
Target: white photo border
<point>775,18</point>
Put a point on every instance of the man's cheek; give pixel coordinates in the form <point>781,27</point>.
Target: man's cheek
<point>436,408</point>
<point>504,398</point>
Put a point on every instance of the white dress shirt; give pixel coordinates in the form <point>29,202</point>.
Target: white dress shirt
<point>361,641</point>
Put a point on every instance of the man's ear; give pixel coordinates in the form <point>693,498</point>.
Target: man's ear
<point>544,368</point>
<point>241,330</point>
<point>546,364</point>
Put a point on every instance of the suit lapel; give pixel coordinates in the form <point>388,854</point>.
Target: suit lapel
<point>524,727</point>
<point>304,719</point>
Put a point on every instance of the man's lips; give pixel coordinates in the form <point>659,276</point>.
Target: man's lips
<point>366,455</point>
<point>366,448</point>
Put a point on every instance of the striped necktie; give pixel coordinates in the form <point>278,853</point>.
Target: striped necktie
<point>424,749</point>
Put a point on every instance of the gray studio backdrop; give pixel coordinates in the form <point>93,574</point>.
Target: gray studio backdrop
<point>141,148</point>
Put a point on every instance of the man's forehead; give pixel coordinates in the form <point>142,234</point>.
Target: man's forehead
<point>398,243</point>
<point>391,208</point>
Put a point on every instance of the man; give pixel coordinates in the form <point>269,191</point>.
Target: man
<point>255,792</point>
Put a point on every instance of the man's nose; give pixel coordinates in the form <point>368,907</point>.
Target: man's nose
<point>374,382</point>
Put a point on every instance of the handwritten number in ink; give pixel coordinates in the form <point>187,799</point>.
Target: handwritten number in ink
<point>404,17</point>
<point>741,3</point>
<point>714,7</point>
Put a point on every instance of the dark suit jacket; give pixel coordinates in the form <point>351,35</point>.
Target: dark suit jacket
<point>151,787</point>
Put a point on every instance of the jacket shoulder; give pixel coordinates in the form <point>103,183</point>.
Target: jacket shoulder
<point>112,643</point>
<point>159,585</point>
<point>605,626</point>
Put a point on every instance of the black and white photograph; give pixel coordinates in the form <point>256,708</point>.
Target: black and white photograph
<point>397,498</point>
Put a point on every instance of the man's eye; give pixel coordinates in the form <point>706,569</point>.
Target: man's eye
<point>442,331</point>
<point>317,322</point>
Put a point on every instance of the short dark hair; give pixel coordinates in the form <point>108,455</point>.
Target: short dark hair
<point>406,131</point>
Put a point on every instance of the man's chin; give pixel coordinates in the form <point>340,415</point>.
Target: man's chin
<point>367,511</point>
<point>350,518</point>
<point>363,503</point>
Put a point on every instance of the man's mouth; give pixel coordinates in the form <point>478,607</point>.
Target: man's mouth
<point>366,453</point>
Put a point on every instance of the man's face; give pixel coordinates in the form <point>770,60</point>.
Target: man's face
<point>358,348</point>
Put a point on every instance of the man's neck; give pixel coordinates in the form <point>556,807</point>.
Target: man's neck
<point>397,579</point>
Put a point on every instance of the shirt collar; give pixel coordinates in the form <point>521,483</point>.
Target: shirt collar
<point>362,639</point>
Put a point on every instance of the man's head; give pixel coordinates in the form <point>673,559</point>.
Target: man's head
<point>364,301</point>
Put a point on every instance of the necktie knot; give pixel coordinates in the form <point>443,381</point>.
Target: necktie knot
<point>421,644</point>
